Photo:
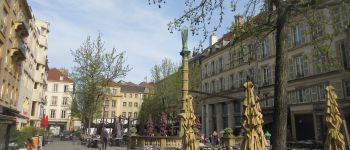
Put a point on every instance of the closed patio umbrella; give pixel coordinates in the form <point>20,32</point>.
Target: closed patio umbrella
<point>252,121</point>
<point>335,139</point>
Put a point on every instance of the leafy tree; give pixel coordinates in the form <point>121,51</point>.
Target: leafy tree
<point>94,68</point>
<point>275,16</point>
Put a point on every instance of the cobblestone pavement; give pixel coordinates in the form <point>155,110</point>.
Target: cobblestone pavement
<point>69,145</point>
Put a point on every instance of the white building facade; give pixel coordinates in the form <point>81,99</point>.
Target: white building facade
<point>59,90</point>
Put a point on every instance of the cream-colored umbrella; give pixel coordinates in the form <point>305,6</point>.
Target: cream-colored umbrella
<point>335,139</point>
<point>254,138</point>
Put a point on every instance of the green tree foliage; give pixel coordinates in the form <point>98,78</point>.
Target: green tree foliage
<point>94,68</point>
<point>166,94</point>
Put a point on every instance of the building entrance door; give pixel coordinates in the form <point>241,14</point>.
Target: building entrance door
<point>304,126</point>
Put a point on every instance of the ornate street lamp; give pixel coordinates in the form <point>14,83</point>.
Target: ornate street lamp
<point>187,115</point>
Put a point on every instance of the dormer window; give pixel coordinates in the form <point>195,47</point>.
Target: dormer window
<point>61,78</point>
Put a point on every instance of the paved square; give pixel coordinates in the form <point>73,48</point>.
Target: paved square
<point>69,145</point>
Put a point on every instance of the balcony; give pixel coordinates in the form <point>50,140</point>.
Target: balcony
<point>18,50</point>
<point>43,41</point>
<point>21,26</point>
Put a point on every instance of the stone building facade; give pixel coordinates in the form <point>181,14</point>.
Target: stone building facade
<point>14,31</point>
<point>227,65</point>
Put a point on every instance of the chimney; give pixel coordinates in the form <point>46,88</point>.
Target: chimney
<point>238,20</point>
<point>213,39</point>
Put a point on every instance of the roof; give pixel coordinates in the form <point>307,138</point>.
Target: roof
<point>132,89</point>
<point>55,75</point>
<point>146,85</point>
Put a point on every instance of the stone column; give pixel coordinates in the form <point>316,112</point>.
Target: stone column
<point>230,115</point>
<point>219,120</point>
<point>208,120</point>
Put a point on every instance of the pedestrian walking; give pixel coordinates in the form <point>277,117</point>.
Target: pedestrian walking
<point>104,138</point>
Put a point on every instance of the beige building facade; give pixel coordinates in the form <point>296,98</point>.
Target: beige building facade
<point>14,31</point>
<point>124,100</point>
<point>226,66</point>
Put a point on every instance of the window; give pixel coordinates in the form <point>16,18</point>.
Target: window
<point>251,75</point>
<point>66,88</point>
<point>232,81</point>
<point>241,78</point>
<point>296,34</point>
<point>105,114</point>
<point>212,67</point>
<point>55,88</point>
<point>237,108</point>
<point>130,104</point>
<point>130,95</point>
<point>124,103</point>
<point>265,48</point>
<point>266,75</point>
<point>136,104</point>
<point>123,114</point>
<point>129,114</point>
<point>300,65</point>
<point>135,114</point>
<point>347,88</point>
<point>106,103</point>
<point>53,113</point>
<point>113,114</point>
<point>222,84</point>
<point>339,18</point>
<point>221,64</point>
<point>212,86</point>
<point>65,101</point>
<point>54,100</point>
<point>113,103</point>
<point>125,95</point>
<point>114,92</point>
<point>240,56</point>
<point>206,89</point>
<point>63,114</point>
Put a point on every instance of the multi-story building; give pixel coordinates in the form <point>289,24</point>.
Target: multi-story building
<point>58,94</point>
<point>125,100</point>
<point>228,64</point>
<point>14,30</point>
<point>34,74</point>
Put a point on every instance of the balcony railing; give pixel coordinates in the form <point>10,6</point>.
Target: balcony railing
<point>141,142</point>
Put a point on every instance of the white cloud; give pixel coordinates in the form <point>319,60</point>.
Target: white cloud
<point>133,27</point>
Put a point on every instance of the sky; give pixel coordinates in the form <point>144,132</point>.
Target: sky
<point>132,26</point>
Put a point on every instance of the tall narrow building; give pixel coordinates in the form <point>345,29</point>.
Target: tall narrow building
<point>34,74</point>
<point>59,90</point>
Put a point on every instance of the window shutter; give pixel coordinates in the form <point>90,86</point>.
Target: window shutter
<point>314,97</point>
<point>289,37</point>
<point>272,74</point>
<point>291,69</point>
<point>259,50</point>
<point>338,88</point>
<point>305,67</point>
<point>259,73</point>
<point>267,43</point>
<point>302,28</point>
<point>307,95</point>
<point>235,82</point>
<point>293,96</point>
